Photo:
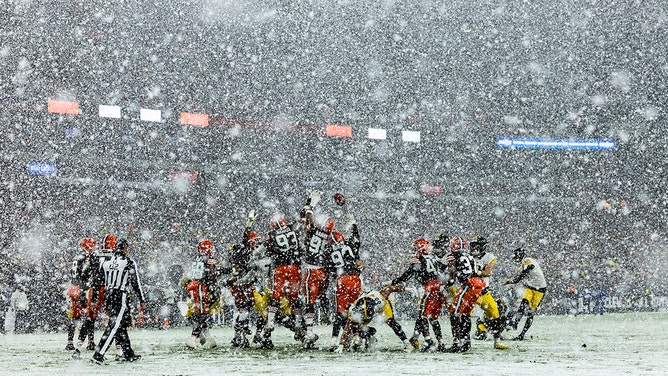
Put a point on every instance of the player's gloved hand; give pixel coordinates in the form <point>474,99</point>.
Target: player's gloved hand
<point>251,218</point>
<point>314,198</point>
<point>385,283</point>
<point>350,219</point>
<point>339,349</point>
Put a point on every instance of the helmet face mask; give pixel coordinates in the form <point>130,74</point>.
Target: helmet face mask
<point>329,226</point>
<point>519,254</point>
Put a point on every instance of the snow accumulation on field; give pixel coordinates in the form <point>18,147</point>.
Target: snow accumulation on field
<point>611,344</point>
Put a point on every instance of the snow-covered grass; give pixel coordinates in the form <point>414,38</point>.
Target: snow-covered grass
<point>612,344</point>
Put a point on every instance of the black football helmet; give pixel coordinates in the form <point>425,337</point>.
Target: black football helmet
<point>440,244</point>
<point>121,244</point>
<point>519,254</point>
<point>478,246</point>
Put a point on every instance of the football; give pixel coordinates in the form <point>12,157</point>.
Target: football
<point>339,199</point>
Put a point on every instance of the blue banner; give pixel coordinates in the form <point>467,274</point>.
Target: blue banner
<point>537,143</point>
<point>39,168</point>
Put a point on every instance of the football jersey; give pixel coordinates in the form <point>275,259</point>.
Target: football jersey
<point>203,269</point>
<point>487,258</point>
<point>283,246</point>
<point>464,267</point>
<point>535,278</point>
<point>80,271</point>
<point>343,258</point>
<point>97,278</point>
<point>317,248</point>
<point>424,268</point>
<point>368,306</point>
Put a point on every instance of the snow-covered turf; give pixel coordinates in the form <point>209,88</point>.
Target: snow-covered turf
<point>612,344</point>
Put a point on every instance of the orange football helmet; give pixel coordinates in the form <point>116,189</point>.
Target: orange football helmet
<point>88,245</point>
<point>457,244</point>
<point>205,247</point>
<point>422,246</point>
<point>109,242</point>
<point>253,239</point>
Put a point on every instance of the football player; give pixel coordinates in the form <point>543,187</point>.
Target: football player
<point>534,290</point>
<point>485,262</point>
<point>468,293</point>
<point>80,274</point>
<point>203,295</point>
<point>315,282</point>
<point>284,248</point>
<point>367,308</point>
<point>346,265</point>
<point>245,272</point>
<point>430,273</point>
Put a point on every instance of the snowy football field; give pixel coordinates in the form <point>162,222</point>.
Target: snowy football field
<point>612,344</point>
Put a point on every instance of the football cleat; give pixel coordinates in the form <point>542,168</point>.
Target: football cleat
<point>519,338</point>
<point>429,345</point>
<point>194,342</point>
<point>441,347</point>
<point>370,342</point>
<point>209,343</point>
<point>455,348</point>
<point>355,343</point>
<point>300,334</point>
<point>98,359</point>
<point>76,354</point>
<point>309,340</point>
<point>131,358</point>
<point>415,343</point>
<point>69,347</point>
<point>410,345</point>
<point>267,344</point>
<point>91,346</point>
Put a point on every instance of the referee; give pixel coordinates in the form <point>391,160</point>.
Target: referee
<point>120,273</point>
